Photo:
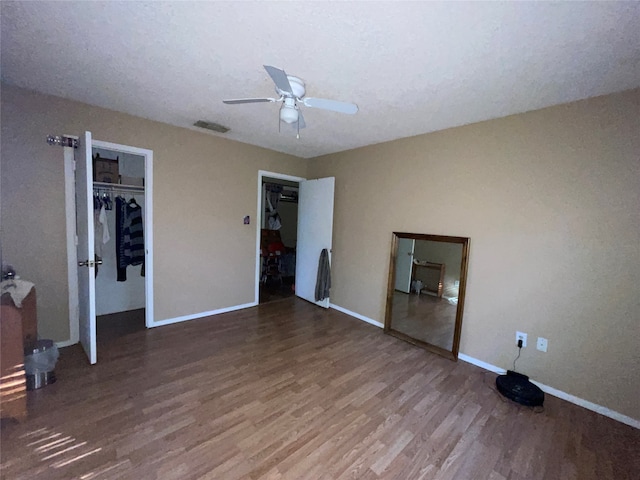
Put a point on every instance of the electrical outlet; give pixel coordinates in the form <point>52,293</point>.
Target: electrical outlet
<point>542,344</point>
<point>523,337</point>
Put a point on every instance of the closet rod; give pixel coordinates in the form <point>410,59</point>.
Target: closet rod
<point>117,187</point>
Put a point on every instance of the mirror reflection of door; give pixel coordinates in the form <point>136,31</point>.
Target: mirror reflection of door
<point>403,264</point>
<point>425,301</point>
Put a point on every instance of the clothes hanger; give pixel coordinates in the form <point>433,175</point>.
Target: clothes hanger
<point>106,201</point>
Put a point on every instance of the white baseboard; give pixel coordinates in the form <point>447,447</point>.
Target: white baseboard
<point>357,315</point>
<point>65,343</point>
<point>169,321</point>
<point>185,318</point>
<point>481,364</point>
<point>594,407</point>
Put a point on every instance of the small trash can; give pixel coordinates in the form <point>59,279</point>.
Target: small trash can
<point>39,364</point>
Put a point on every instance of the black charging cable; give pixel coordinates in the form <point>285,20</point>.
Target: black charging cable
<point>519,352</point>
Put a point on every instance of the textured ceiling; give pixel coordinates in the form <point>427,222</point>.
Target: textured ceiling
<point>411,67</point>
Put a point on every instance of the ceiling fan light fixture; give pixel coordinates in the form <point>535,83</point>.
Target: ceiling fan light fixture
<point>288,114</point>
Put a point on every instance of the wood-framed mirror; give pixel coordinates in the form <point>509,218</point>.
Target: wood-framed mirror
<point>425,294</point>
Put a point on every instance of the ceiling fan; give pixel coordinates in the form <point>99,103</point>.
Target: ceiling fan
<point>292,94</point>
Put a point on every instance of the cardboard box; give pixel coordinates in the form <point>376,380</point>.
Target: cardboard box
<point>105,169</point>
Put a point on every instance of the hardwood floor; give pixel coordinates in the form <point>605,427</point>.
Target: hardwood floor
<point>276,289</point>
<point>287,390</point>
<point>115,325</point>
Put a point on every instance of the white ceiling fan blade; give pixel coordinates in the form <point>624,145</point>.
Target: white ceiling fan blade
<point>236,101</point>
<point>301,122</point>
<point>279,77</point>
<point>333,105</point>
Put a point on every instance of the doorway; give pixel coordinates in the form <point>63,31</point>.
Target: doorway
<point>120,292</point>
<point>278,238</point>
<point>93,192</point>
<point>313,236</point>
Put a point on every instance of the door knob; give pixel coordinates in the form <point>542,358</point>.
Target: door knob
<point>83,264</point>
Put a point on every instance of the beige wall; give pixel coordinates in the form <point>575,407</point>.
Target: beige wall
<point>204,257</point>
<point>550,200</point>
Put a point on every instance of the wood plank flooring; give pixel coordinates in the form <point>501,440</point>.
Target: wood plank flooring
<point>273,290</point>
<point>115,325</point>
<point>290,391</point>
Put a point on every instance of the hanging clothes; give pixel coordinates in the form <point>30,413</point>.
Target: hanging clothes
<point>323,280</point>
<point>273,198</point>
<point>121,260</point>
<point>102,218</point>
<point>129,237</point>
<point>101,231</point>
<point>134,251</point>
<point>275,221</point>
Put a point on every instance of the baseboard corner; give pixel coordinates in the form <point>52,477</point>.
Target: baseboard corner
<point>194,316</point>
<point>356,315</point>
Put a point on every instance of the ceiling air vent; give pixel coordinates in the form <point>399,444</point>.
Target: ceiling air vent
<point>216,127</point>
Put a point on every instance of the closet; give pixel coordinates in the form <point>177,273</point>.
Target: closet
<point>119,184</point>
<point>278,239</point>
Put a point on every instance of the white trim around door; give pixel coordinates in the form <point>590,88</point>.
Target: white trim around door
<point>148,220</point>
<point>70,211</point>
<point>261,175</point>
<point>72,241</point>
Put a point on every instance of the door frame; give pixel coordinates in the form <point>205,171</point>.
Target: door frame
<point>148,219</point>
<point>260,212</point>
<point>70,195</point>
<point>72,242</point>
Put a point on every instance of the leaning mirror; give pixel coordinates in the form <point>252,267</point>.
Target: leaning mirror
<point>425,296</point>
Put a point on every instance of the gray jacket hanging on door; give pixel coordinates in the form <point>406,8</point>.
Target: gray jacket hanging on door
<point>323,281</point>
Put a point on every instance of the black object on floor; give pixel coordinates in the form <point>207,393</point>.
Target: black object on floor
<point>517,387</point>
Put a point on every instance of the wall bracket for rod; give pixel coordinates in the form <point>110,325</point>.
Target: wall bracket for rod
<point>63,140</point>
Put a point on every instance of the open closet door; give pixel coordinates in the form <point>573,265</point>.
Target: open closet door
<point>315,230</point>
<point>86,247</point>
<point>404,264</point>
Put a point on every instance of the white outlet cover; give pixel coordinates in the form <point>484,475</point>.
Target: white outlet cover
<point>542,344</point>
<point>523,336</point>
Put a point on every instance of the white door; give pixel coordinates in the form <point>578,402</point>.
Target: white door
<point>404,262</point>
<point>86,247</point>
<point>315,230</point>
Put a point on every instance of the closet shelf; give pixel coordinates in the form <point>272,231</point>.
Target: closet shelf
<point>118,187</point>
